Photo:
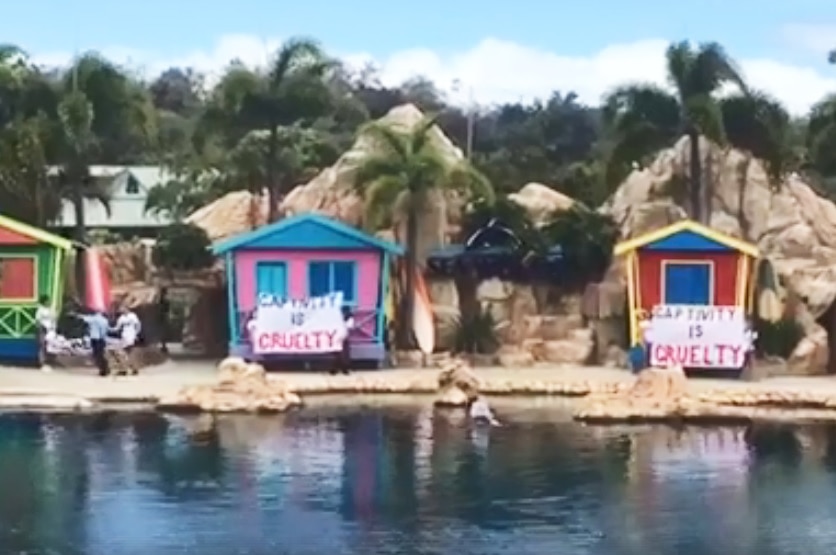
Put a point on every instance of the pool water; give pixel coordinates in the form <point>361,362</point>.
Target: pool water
<point>402,479</point>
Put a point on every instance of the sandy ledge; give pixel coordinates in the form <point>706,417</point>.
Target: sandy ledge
<point>801,399</point>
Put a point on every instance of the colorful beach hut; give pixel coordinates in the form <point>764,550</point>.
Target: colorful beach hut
<point>32,263</point>
<point>686,263</point>
<point>309,256</point>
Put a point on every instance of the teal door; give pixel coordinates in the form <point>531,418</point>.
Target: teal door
<point>271,278</point>
<point>687,283</point>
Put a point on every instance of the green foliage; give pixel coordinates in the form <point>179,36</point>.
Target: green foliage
<point>587,239</point>
<point>777,338</point>
<point>481,212</point>
<point>275,127</point>
<point>476,334</point>
<point>184,247</point>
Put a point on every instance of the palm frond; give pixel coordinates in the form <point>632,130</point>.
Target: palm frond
<point>680,60</point>
<point>758,123</point>
<point>713,67</point>
<point>463,177</point>
<point>388,139</point>
<point>421,134</point>
<point>705,114</point>
<point>376,167</point>
<point>631,105</point>
<point>380,197</point>
<point>295,53</point>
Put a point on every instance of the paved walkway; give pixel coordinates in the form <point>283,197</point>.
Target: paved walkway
<point>167,379</point>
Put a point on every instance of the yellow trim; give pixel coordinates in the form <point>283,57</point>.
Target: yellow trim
<point>35,275</point>
<point>685,225</point>
<point>685,262</point>
<point>752,281</point>
<point>742,281</point>
<point>35,233</point>
<point>57,278</point>
<point>631,296</point>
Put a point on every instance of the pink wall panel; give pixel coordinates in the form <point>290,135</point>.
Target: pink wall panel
<point>368,273</point>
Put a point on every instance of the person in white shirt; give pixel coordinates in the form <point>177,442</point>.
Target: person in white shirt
<point>344,355</point>
<point>47,323</point>
<point>128,327</point>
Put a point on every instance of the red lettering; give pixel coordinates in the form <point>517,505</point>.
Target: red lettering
<point>698,356</point>
<point>314,341</point>
<point>736,358</point>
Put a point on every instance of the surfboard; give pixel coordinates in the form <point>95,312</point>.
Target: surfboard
<point>422,318</point>
<point>97,282</point>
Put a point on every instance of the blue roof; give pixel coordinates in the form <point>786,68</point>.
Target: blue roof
<point>306,231</point>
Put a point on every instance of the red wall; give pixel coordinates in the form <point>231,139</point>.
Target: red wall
<point>650,275</point>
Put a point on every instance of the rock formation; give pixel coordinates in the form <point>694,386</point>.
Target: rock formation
<point>233,213</point>
<point>241,387</point>
<point>541,202</point>
<point>657,393</point>
<point>457,385</point>
<point>332,191</point>
<point>792,225</point>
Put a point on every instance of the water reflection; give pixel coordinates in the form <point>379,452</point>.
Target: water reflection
<point>406,480</point>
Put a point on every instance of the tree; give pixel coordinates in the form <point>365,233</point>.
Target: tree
<point>645,118</point>
<point>402,173</point>
<point>821,138</point>
<point>292,91</point>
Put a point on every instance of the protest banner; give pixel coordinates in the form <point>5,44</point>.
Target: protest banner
<point>298,326</point>
<point>698,336</point>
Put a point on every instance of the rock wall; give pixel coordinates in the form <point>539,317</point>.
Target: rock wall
<point>792,225</point>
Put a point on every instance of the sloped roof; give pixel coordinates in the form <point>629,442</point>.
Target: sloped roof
<point>287,224</point>
<point>685,226</point>
<point>35,233</point>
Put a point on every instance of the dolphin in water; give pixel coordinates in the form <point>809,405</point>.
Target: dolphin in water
<point>480,411</point>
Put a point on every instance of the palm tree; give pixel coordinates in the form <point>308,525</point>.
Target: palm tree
<point>293,90</point>
<point>400,176</point>
<point>645,118</point>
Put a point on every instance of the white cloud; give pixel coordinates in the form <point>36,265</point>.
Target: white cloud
<point>819,38</point>
<point>498,70</point>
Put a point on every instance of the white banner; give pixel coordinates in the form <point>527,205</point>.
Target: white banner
<point>698,336</point>
<point>304,326</point>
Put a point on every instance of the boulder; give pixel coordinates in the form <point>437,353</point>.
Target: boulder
<point>241,387</point>
<point>541,202</point>
<point>457,385</point>
<point>657,393</point>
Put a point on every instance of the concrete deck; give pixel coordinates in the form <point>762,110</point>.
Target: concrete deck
<point>167,379</point>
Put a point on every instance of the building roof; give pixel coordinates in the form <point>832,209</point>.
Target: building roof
<point>35,233</point>
<point>129,188</point>
<point>306,231</point>
<point>682,227</point>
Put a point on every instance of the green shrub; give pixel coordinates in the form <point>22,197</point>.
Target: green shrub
<point>476,334</point>
<point>182,247</point>
<point>777,338</point>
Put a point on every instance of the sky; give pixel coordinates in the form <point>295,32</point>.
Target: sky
<point>516,50</point>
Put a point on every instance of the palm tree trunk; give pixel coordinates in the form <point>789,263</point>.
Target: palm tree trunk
<point>270,170</point>
<point>405,341</point>
<point>695,188</point>
<point>81,237</point>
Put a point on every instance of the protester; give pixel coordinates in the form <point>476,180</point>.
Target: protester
<point>46,323</point>
<point>344,355</point>
<point>163,314</point>
<point>97,330</point>
<point>129,328</point>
